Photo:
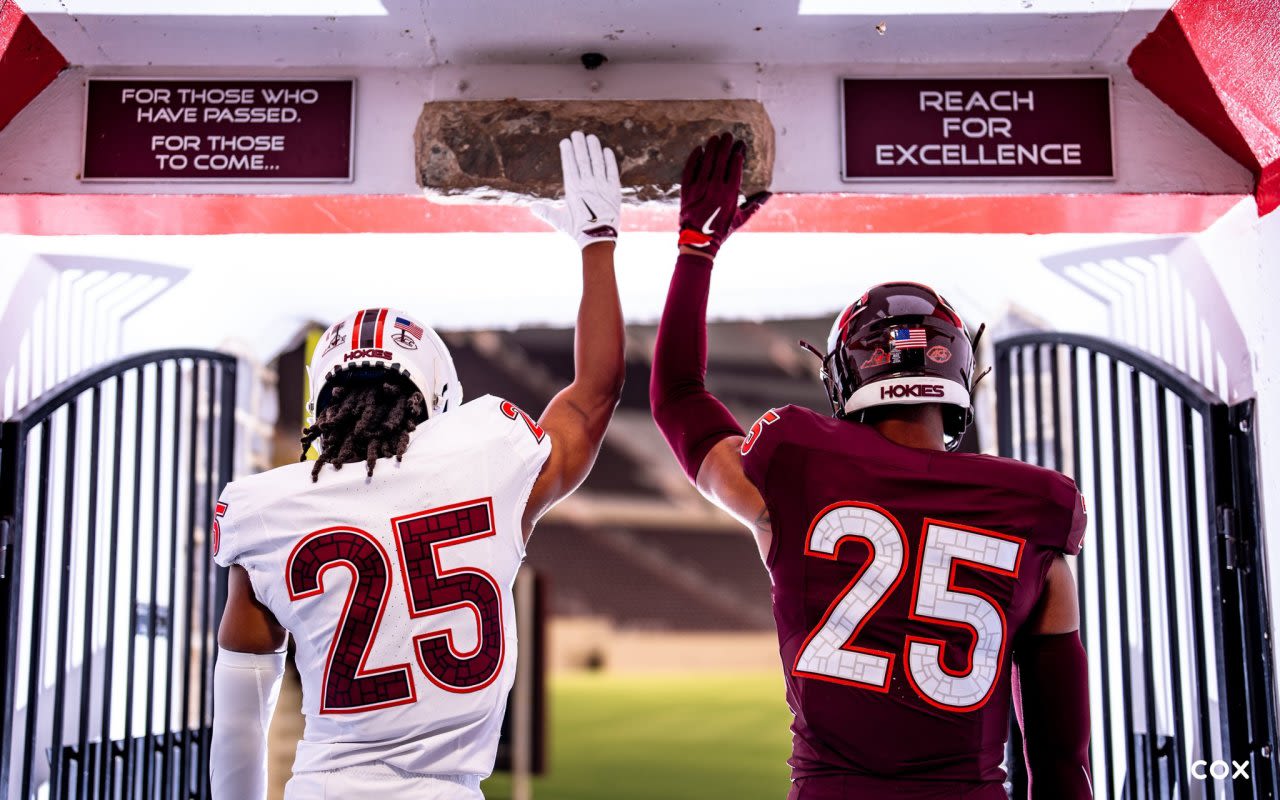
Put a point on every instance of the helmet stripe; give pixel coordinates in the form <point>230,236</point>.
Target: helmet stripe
<point>382,321</point>
<point>355,330</point>
<point>368,323</point>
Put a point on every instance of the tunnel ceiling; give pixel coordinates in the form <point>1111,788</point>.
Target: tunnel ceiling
<point>422,33</point>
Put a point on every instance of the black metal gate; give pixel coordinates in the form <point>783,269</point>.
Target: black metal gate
<point>107,587</point>
<point>1172,591</point>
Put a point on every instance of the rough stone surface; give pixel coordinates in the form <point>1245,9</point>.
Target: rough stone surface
<point>505,148</point>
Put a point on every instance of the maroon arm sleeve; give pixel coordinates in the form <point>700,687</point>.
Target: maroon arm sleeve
<point>691,420</point>
<point>1051,689</point>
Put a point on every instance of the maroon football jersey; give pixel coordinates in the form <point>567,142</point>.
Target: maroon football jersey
<point>901,579</point>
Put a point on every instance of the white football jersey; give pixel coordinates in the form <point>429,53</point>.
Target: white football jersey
<point>397,588</point>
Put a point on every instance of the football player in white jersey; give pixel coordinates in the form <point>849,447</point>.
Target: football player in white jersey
<point>394,574</point>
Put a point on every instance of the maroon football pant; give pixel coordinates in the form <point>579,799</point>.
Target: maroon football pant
<point>856,787</point>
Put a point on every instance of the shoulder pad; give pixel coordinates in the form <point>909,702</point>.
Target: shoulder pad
<point>775,426</point>
<point>1071,518</point>
<point>513,412</point>
<point>223,539</point>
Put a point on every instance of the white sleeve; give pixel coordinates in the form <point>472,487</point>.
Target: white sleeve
<point>245,689</point>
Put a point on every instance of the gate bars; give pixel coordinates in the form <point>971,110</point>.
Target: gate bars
<point>1173,605</point>
<point>107,587</point>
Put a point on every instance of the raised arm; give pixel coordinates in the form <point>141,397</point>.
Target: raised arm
<point>579,415</point>
<point>1051,688</point>
<point>701,432</point>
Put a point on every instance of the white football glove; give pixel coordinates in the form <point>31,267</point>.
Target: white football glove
<point>592,192</point>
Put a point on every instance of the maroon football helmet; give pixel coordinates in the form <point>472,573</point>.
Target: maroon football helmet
<point>900,344</point>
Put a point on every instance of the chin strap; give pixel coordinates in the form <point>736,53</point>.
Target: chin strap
<point>973,345</point>
<point>805,345</point>
<point>977,337</point>
<point>976,381</point>
<point>836,409</point>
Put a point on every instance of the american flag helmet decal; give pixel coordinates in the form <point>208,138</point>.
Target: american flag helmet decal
<point>908,338</point>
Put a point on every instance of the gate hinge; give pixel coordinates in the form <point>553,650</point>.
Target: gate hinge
<point>1232,550</point>
<point>6,528</point>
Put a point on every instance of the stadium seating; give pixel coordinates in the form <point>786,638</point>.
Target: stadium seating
<point>647,574</point>
<point>678,580</point>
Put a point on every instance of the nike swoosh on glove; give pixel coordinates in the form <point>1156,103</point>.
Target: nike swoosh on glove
<point>592,192</point>
<point>709,188</point>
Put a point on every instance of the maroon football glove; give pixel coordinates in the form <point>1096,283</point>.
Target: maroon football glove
<point>709,187</point>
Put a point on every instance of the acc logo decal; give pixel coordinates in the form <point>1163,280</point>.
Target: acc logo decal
<point>511,411</point>
<point>939,353</point>
<point>769,417</point>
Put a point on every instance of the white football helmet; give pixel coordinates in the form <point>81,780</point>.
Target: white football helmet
<point>384,338</point>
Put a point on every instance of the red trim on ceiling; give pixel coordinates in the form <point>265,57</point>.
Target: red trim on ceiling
<point>28,61</point>
<point>140,215</point>
<point>1216,63</point>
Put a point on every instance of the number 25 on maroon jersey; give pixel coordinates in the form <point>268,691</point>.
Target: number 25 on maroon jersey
<point>831,651</point>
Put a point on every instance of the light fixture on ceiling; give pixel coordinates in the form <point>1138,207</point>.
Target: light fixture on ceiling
<point>901,8</point>
<point>210,8</point>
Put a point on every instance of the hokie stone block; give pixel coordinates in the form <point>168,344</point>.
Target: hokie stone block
<point>494,149</point>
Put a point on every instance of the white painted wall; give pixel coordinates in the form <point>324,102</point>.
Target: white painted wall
<point>1234,264</point>
<point>1156,151</point>
<point>1264,328</point>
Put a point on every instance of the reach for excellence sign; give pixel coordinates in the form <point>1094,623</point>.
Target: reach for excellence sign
<point>218,130</point>
<point>930,129</point>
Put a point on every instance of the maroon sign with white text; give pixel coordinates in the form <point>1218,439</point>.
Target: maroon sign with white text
<point>948,128</point>
<point>218,130</point>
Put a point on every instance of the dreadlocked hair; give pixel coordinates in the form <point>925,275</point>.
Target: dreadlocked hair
<point>365,420</point>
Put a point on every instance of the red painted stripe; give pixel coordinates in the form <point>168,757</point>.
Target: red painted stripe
<point>1268,191</point>
<point>382,321</point>
<point>355,330</point>
<point>141,215</point>
<point>28,61</point>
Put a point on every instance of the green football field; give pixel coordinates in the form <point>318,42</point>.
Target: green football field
<point>641,737</point>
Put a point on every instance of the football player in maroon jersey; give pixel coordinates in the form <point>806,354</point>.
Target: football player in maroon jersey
<point>917,591</point>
